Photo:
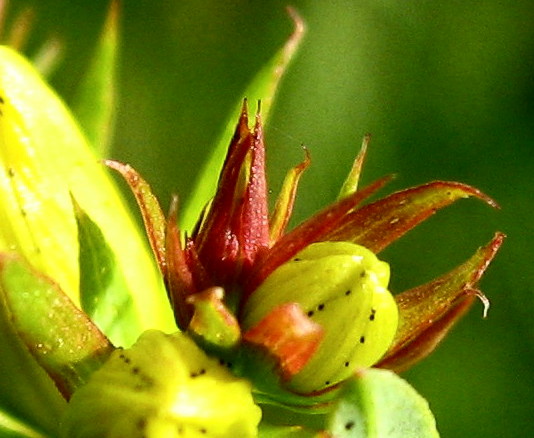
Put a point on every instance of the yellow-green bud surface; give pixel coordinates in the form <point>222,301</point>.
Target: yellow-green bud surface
<point>162,387</point>
<point>343,287</point>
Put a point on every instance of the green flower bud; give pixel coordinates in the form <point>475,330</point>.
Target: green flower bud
<point>164,386</point>
<point>342,287</point>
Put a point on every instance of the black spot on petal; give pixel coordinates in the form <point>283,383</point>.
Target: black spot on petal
<point>362,339</point>
<point>347,293</point>
<point>320,307</point>
<point>141,424</point>
<point>349,425</point>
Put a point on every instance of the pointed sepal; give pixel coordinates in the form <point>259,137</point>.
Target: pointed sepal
<point>350,185</point>
<point>315,229</point>
<point>179,278</point>
<point>286,199</point>
<point>236,230</point>
<point>429,311</point>
<point>380,223</point>
<point>153,216</point>
<point>263,87</point>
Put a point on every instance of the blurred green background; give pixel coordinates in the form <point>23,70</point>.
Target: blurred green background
<point>445,88</point>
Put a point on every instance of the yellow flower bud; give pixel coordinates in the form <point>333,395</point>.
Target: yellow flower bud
<point>163,386</point>
<point>342,287</point>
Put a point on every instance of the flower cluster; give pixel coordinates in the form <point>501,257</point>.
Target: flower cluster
<point>266,316</point>
<point>313,300</point>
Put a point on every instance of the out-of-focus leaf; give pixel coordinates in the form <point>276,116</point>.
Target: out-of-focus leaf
<point>36,184</point>
<point>429,311</point>
<point>262,87</point>
<point>104,293</point>
<point>18,33</point>
<point>12,428</point>
<point>95,103</point>
<point>60,337</point>
<point>47,56</point>
<point>379,404</point>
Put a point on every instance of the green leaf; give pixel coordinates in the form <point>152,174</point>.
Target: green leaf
<point>11,427</point>
<point>67,345</point>
<point>26,391</point>
<point>379,404</point>
<point>104,293</point>
<point>262,88</point>
<point>96,99</point>
<point>46,159</point>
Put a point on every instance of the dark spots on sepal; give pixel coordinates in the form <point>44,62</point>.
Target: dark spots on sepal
<point>349,425</point>
<point>124,358</point>
<point>372,315</point>
<point>223,363</point>
<point>198,373</point>
<point>319,308</point>
<point>362,339</point>
<point>140,425</point>
<point>144,382</point>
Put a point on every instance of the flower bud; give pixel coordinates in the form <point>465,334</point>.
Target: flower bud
<point>163,386</point>
<point>342,287</point>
